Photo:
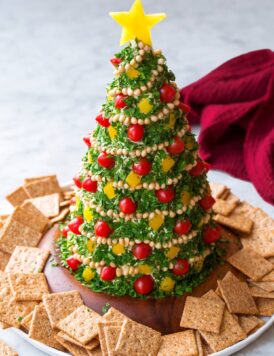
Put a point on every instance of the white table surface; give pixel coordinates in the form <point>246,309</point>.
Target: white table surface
<point>54,68</point>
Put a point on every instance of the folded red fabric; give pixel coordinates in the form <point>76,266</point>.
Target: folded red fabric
<point>235,106</point>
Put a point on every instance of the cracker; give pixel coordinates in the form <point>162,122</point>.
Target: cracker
<point>12,312</point>
<point>26,322</point>
<point>35,179</point>
<point>239,223</point>
<point>180,343</point>
<point>202,314</point>
<point>45,186</point>
<point>223,207</point>
<point>18,196</point>
<point>268,277</point>
<point>48,204</point>
<point>248,323</point>
<point>260,293</point>
<point>217,189</point>
<point>5,350</point>
<point>28,286</point>
<point>231,198</point>
<point>75,350</point>
<point>90,346</point>
<point>112,333</point>
<point>265,306</point>
<point>61,216</point>
<point>3,325</point>
<point>237,297</point>
<point>230,277</point>
<point>114,315</point>
<point>267,286</point>
<point>132,334</point>
<point>4,260</point>
<point>243,208</point>
<point>65,203</point>
<point>250,263</point>
<point>27,260</point>
<point>41,330</point>
<point>199,343</point>
<point>27,214</point>
<point>95,352</point>
<point>81,324</point>
<point>60,305</point>
<point>16,234</point>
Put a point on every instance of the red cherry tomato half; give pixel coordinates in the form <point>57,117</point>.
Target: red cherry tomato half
<point>108,273</point>
<point>106,161</point>
<point>86,139</point>
<point>211,234</point>
<point>165,195</point>
<point>102,228</point>
<point>167,93</point>
<point>136,132</point>
<point>144,284</point>
<point>103,121</point>
<point>89,185</point>
<point>207,166</point>
<point>182,227</point>
<point>65,231</point>
<point>77,181</point>
<point>75,224</point>
<point>127,206</point>
<point>184,107</point>
<point>142,167</point>
<point>198,169</point>
<point>181,267</point>
<point>120,102</point>
<point>73,263</point>
<point>116,61</point>
<point>207,202</point>
<point>176,147</point>
<point>141,251</point>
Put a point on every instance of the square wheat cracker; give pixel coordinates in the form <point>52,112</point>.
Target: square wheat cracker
<point>217,189</point>
<point>75,350</point>
<point>5,350</point>
<point>114,315</point>
<point>18,196</point>
<point>199,343</point>
<point>48,204</point>
<point>112,334</point>
<point>90,346</point>
<point>35,179</point>
<point>28,286</point>
<point>267,286</point>
<point>248,324</point>
<point>235,222</point>
<point>45,186</point>
<point>223,207</point>
<point>103,325</point>
<point>250,263</point>
<point>60,305</point>
<point>265,306</point>
<point>203,314</point>
<point>4,260</point>
<point>16,234</point>
<point>81,324</point>
<point>180,343</point>
<point>257,292</point>
<point>26,322</point>
<point>61,216</point>
<point>27,260</point>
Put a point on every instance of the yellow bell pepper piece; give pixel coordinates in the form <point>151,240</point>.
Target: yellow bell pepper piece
<point>172,120</point>
<point>167,163</point>
<point>118,249</point>
<point>156,222</point>
<point>189,142</point>
<point>145,269</point>
<point>132,73</point>
<point>144,106</point>
<point>167,284</point>
<point>172,252</point>
<point>185,196</point>
<point>112,132</point>
<point>77,202</point>
<point>91,245</point>
<point>198,265</point>
<point>89,157</point>
<point>88,274</point>
<point>109,191</point>
<point>88,214</point>
<point>133,179</point>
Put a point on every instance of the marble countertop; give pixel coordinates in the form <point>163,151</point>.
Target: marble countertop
<point>54,67</point>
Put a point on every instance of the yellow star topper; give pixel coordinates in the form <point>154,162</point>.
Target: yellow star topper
<point>136,24</point>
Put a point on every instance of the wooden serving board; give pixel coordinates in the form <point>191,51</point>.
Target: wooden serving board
<point>161,314</point>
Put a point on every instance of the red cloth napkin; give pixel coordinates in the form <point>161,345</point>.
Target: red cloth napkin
<point>235,106</point>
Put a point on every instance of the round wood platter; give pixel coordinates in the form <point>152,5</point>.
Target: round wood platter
<point>163,315</point>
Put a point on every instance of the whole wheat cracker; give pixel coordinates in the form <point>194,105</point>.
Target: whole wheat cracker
<point>114,315</point>
<point>95,352</point>
<point>47,204</point>
<point>4,260</point>
<point>45,186</point>
<point>112,333</point>
<point>231,198</point>
<point>63,213</point>
<point>60,305</point>
<point>223,207</point>
<point>26,322</point>
<point>257,292</point>
<point>236,222</point>
<point>248,323</point>
<point>265,306</point>
<point>90,346</point>
<point>5,350</point>
<point>37,178</point>
<point>75,350</point>
<point>28,286</point>
<point>268,277</point>
<point>199,343</point>
<point>27,260</point>
<point>3,325</point>
<point>267,286</point>
<point>180,343</point>
<point>65,203</point>
<point>106,345</point>
<point>18,196</point>
<point>217,189</point>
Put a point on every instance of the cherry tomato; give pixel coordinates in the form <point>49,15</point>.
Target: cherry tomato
<point>167,93</point>
<point>207,202</point>
<point>127,206</point>
<point>165,195</point>
<point>207,166</point>
<point>182,227</point>
<point>77,182</point>
<point>75,224</point>
<point>116,61</point>
<point>106,161</point>
<point>108,273</point>
<point>119,101</point>
<point>141,251</point>
<point>65,231</point>
<point>73,263</point>
<point>211,234</point>
<point>198,169</point>
<point>103,121</point>
<point>136,132</point>
<point>89,185</point>
<point>144,284</point>
<point>181,267</point>
<point>184,107</point>
<point>176,147</point>
<point>86,139</point>
<point>142,167</point>
<point>102,228</point>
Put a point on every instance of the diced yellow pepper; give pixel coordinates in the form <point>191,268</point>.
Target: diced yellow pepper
<point>77,202</point>
<point>189,142</point>
<point>145,269</point>
<point>118,249</point>
<point>112,132</point>
<point>198,265</point>
<point>91,245</point>
<point>144,106</point>
<point>172,252</point>
<point>172,121</point>
<point>88,214</point>
<point>200,224</point>
<point>185,196</point>
<point>167,284</point>
<point>156,222</point>
<point>167,164</point>
<point>89,157</point>
<point>88,274</point>
<point>109,190</point>
<point>132,73</point>
<point>133,179</point>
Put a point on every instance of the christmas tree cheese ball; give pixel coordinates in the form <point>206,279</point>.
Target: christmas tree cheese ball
<point>141,221</point>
